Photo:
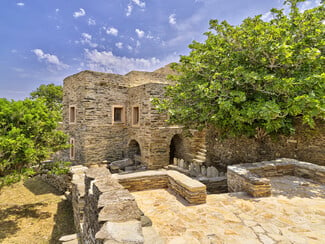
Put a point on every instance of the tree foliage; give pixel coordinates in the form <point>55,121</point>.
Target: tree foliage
<point>260,75</point>
<point>28,135</point>
<point>51,93</point>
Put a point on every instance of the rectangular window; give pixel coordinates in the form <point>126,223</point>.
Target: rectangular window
<point>118,114</point>
<point>72,149</point>
<point>135,115</point>
<point>72,114</point>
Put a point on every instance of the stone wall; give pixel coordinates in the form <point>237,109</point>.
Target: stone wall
<point>191,190</point>
<point>104,212</point>
<point>306,145</point>
<point>253,178</point>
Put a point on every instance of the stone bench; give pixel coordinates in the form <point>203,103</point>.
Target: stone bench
<point>251,178</point>
<point>191,190</point>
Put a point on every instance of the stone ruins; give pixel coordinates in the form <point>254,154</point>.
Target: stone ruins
<point>122,148</point>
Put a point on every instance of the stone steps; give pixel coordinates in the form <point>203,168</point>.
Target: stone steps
<point>200,156</point>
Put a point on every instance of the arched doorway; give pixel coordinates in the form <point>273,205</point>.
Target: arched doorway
<point>176,148</point>
<point>134,151</point>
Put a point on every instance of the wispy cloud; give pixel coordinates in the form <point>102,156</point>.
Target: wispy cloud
<point>86,39</point>
<point>129,9</point>
<point>49,59</point>
<point>20,4</point>
<point>139,3</point>
<point>79,13</point>
<point>119,45</point>
<point>108,62</point>
<point>172,19</point>
<point>309,4</point>
<point>112,31</point>
<point>91,21</point>
<point>139,32</point>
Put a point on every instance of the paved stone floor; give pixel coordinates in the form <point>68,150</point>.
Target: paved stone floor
<point>294,214</point>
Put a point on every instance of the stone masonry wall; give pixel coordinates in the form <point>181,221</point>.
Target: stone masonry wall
<point>104,212</point>
<point>306,145</point>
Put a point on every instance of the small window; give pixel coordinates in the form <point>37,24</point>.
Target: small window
<point>72,149</point>
<point>118,114</point>
<point>72,114</point>
<point>135,115</point>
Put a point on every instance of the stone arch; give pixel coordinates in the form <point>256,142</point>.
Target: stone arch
<point>176,148</point>
<point>134,150</point>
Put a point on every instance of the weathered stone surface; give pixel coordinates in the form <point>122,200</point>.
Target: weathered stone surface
<point>145,221</point>
<point>68,238</point>
<point>125,232</point>
<point>122,163</point>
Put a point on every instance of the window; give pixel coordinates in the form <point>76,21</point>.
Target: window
<point>72,149</point>
<point>135,115</point>
<point>118,114</point>
<point>72,114</point>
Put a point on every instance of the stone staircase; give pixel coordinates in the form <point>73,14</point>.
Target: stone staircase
<point>201,155</point>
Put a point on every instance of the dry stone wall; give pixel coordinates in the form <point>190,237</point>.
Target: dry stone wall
<point>306,145</point>
<point>104,212</point>
<point>253,178</point>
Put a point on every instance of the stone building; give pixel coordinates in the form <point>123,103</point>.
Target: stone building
<point>111,117</point>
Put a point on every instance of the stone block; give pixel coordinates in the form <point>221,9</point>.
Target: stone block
<point>124,232</point>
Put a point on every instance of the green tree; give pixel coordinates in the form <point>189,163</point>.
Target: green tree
<point>28,135</point>
<point>52,94</point>
<point>258,76</point>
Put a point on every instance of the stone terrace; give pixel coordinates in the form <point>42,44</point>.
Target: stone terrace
<point>237,217</point>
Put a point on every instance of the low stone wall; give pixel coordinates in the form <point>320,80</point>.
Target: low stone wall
<point>104,211</point>
<point>251,178</point>
<point>145,180</point>
<point>60,182</point>
<point>193,191</point>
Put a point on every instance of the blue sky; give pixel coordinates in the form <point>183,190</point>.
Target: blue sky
<point>43,41</point>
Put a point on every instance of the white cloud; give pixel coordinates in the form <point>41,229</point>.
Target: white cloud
<point>86,39</point>
<point>130,48</point>
<point>308,5</point>
<point>91,21</point>
<point>172,19</point>
<point>112,31</point>
<point>108,62</point>
<point>139,32</point>
<point>119,45</point>
<point>267,16</point>
<point>20,4</point>
<point>129,10</point>
<point>57,10</point>
<point>49,59</point>
<point>79,13</point>
<point>139,3</point>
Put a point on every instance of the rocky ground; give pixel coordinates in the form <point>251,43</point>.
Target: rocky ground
<point>295,213</point>
<point>33,212</point>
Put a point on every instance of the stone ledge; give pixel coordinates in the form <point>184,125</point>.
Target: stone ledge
<point>251,178</point>
<point>191,190</point>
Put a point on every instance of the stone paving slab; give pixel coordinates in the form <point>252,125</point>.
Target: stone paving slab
<point>235,218</point>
